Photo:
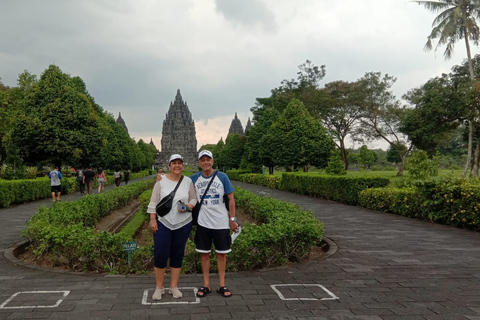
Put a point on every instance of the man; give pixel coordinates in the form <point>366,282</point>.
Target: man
<point>55,184</point>
<point>88,177</point>
<point>81,184</point>
<point>214,222</point>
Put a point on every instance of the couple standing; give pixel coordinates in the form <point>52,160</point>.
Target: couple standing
<point>172,230</point>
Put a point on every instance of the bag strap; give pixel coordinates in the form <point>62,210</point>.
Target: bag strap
<point>205,193</point>
<point>176,187</point>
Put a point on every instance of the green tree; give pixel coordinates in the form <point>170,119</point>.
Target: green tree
<point>304,88</point>
<point>382,114</point>
<point>233,151</point>
<point>54,121</point>
<point>439,108</point>
<point>257,152</point>
<point>339,108</point>
<point>297,139</point>
<point>367,157</point>
<point>335,164</point>
<point>457,20</point>
<point>421,167</point>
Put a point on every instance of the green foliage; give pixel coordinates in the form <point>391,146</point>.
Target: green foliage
<point>335,164</point>
<point>261,180</point>
<point>421,167</point>
<point>235,174</point>
<point>132,226</point>
<point>287,233</point>
<point>55,121</point>
<point>341,189</point>
<point>66,232</point>
<point>450,201</point>
<point>367,157</point>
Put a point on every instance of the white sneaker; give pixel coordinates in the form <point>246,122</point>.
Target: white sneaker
<point>157,295</point>
<point>175,292</point>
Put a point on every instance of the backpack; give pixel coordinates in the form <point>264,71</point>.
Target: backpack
<point>80,175</point>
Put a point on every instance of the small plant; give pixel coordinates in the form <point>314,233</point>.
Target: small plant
<point>31,172</point>
<point>335,164</point>
<point>421,167</point>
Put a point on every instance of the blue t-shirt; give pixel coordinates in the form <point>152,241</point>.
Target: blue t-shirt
<point>213,214</point>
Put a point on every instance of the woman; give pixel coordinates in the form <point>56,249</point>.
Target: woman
<point>117,175</point>
<point>101,179</point>
<point>172,230</point>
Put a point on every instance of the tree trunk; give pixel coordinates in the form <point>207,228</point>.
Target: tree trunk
<point>270,170</point>
<point>401,165</point>
<point>474,172</point>
<point>471,116</point>
<point>344,154</point>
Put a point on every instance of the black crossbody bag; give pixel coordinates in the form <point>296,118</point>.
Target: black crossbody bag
<point>165,205</point>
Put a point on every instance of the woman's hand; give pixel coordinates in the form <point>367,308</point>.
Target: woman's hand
<point>153,225</point>
<point>159,176</point>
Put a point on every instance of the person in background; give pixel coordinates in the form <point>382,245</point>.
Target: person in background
<point>88,177</point>
<point>126,176</point>
<point>214,222</point>
<point>117,175</point>
<point>101,178</point>
<point>81,184</point>
<point>55,183</point>
<point>173,229</point>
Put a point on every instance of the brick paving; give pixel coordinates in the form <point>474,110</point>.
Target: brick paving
<point>379,267</point>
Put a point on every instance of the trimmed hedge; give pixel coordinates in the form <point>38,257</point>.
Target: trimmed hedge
<point>454,202</point>
<point>286,233</point>
<point>66,231</point>
<point>265,180</point>
<point>235,174</point>
<point>337,188</point>
<point>21,191</point>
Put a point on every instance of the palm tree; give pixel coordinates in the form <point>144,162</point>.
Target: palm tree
<point>457,20</point>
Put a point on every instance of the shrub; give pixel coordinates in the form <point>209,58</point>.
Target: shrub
<point>341,189</point>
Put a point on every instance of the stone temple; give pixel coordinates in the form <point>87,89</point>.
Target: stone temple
<point>121,121</point>
<point>178,133</point>
<point>237,128</point>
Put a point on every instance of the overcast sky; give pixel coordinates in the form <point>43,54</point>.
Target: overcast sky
<point>221,54</point>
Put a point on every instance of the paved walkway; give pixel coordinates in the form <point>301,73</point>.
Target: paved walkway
<point>380,266</point>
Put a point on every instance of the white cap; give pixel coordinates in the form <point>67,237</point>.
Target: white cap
<point>175,157</point>
<point>205,153</point>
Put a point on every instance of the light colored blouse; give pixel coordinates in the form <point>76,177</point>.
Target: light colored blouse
<point>185,192</point>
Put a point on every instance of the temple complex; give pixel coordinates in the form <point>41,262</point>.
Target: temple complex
<point>178,133</point>
<point>237,128</point>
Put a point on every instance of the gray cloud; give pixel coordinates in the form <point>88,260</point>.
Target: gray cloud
<point>221,54</point>
<point>250,13</point>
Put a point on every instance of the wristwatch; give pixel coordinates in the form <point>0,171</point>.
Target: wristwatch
<point>234,219</point>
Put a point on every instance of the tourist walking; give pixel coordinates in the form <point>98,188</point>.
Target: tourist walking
<point>55,184</point>
<point>214,221</point>
<point>101,179</point>
<point>88,177</point>
<point>171,231</point>
<point>126,176</point>
<point>117,175</point>
<point>81,184</point>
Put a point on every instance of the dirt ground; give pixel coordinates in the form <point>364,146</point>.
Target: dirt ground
<point>118,218</point>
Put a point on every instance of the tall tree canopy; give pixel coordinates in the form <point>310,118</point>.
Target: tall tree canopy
<point>457,19</point>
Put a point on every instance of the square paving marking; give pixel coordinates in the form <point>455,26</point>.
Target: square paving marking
<point>188,298</point>
<point>35,299</point>
<point>312,292</point>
